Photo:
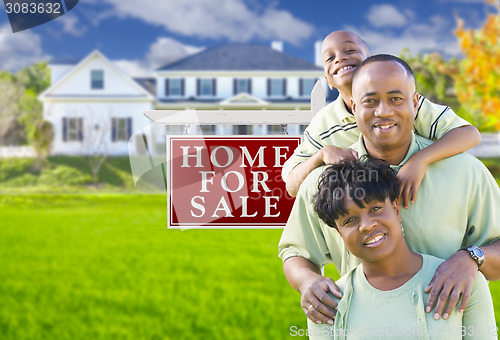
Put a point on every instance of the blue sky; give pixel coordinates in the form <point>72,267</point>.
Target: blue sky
<point>142,35</point>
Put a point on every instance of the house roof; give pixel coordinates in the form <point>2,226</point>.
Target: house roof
<point>147,83</point>
<point>241,57</point>
<point>141,91</point>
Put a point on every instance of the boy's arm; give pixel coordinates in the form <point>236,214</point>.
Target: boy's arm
<point>328,154</point>
<point>453,142</point>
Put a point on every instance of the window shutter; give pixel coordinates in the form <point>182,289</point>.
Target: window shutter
<point>284,87</point>
<point>129,128</point>
<point>167,87</point>
<point>182,87</point>
<point>80,129</point>
<point>269,87</point>
<point>249,85</point>
<point>65,129</point>
<point>214,90</point>
<point>301,87</point>
<point>198,86</point>
<point>113,129</point>
<point>234,85</point>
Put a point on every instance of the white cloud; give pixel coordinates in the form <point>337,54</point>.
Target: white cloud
<point>163,51</point>
<point>386,16</point>
<point>166,50</point>
<point>434,34</point>
<point>72,25</point>
<point>18,50</point>
<point>215,19</point>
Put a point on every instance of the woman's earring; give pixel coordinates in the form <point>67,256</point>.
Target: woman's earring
<point>403,229</point>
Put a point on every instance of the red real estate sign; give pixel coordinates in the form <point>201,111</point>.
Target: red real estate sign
<point>228,182</point>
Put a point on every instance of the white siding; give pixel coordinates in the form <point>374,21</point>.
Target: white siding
<point>94,114</point>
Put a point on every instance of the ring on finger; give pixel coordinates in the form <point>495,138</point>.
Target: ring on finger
<point>309,308</point>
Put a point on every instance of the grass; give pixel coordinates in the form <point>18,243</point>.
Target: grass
<point>97,265</point>
<point>104,266</point>
<point>64,174</point>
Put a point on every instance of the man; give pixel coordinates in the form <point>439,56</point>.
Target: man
<point>456,206</point>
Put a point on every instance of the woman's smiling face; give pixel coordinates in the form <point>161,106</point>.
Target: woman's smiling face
<point>371,232</point>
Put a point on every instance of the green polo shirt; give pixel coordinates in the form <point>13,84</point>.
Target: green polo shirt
<point>457,205</point>
<point>334,125</point>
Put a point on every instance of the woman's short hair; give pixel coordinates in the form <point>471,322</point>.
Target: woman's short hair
<point>365,180</point>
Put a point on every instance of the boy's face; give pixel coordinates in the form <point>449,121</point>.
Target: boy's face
<point>341,52</point>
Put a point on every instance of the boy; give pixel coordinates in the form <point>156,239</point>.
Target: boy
<point>333,129</point>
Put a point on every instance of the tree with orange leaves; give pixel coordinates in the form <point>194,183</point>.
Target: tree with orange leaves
<point>477,84</point>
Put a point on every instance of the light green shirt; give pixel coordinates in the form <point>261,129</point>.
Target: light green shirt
<point>334,125</point>
<point>458,204</point>
<point>366,313</point>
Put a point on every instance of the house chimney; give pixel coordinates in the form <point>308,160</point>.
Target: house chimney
<point>317,53</point>
<point>277,46</point>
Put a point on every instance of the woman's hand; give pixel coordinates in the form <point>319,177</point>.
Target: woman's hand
<point>316,303</point>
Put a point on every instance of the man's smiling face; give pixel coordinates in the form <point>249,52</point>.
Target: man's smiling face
<point>341,52</point>
<point>384,103</point>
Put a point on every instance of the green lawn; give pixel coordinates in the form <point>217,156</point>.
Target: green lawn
<point>104,266</point>
<point>91,265</point>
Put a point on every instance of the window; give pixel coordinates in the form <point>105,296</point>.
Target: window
<point>72,129</point>
<point>276,87</point>
<point>97,79</point>
<point>121,129</point>
<point>306,85</point>
<point>174,87</point>
<point>241,85</point>
<point>205,87</point>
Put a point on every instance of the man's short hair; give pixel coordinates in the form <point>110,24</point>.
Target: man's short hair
<point>365,180</point>
<point>383,58</point>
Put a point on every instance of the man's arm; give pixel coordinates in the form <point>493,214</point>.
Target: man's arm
<point>328,154</point>
<point>306,278</point>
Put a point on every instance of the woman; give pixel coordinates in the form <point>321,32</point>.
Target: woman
<point>383,298</point>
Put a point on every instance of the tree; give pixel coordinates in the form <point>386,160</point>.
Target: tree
<point>10,96</point>
<point>477,83</point>
<point>434,77</point>
<point>43,136</point>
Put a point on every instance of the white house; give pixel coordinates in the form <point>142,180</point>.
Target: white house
<point>94,106</point>
<point>238,76</point>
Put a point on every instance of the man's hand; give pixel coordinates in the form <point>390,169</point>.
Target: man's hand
<point>410,176</point>
<point>314,300</point>
<point>453,278</point>
<point>333,155</point>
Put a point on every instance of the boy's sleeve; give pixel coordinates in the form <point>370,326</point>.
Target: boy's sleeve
<point>479,317</point>
<point>311,143</point>
<point>432,121</point>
